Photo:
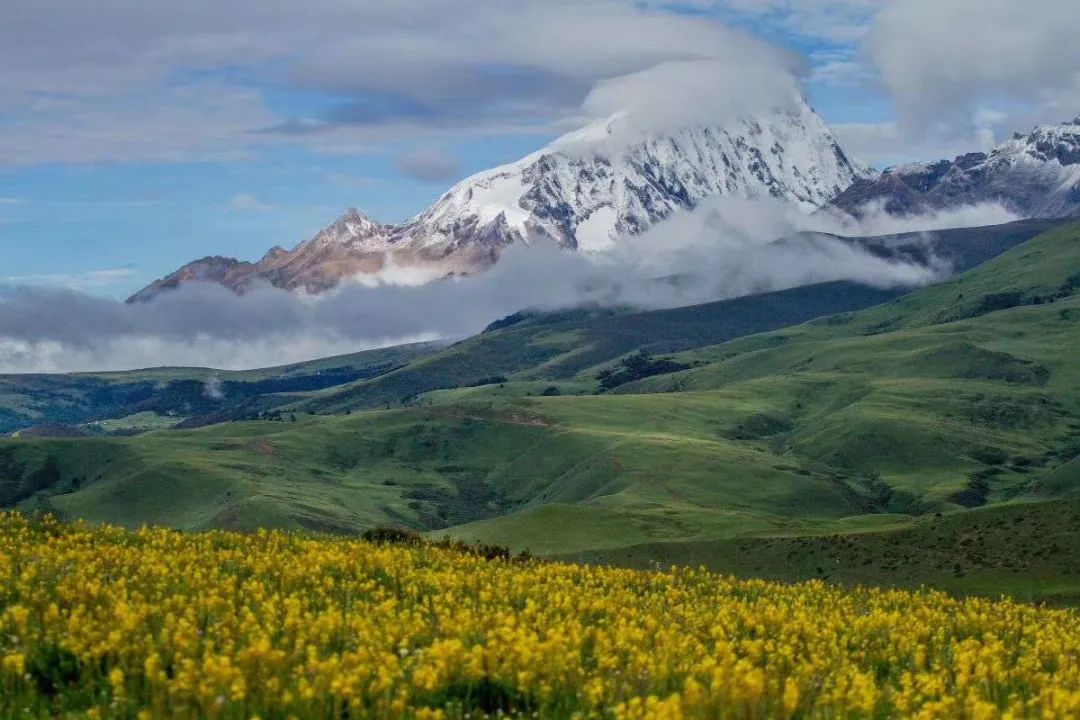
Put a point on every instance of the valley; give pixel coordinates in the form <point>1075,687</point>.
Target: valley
<point>880,432</point>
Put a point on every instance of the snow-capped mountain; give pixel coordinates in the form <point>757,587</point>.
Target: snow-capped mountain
<point>582,192</point>
<point>1034,175</point>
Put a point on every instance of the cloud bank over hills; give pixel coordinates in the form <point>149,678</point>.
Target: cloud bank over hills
<point>723,249</point>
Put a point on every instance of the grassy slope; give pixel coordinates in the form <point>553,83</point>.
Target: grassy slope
<point>427,467</point>
<point>1008,377</point>
<point>557,346</point>
<point>921,409</point>
<point>1030,551</point>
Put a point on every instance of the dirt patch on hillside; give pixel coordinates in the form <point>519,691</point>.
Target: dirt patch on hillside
<point>515,418</point>
<point>529,420</point>
<point>262,447</point>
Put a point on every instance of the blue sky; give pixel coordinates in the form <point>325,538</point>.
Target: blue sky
<point>141,137</point>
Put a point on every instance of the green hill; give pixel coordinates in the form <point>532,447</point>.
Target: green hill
<point>1028,550</point>
<point>956,406</point>
<point>558,346</point>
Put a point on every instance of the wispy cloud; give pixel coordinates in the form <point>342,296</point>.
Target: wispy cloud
<point>248,202</point>
<point>891,143</point>
<point>206,120</point>
<point>130,81</point>
<point>89,280</point>
<point>834,21</point>
<point>839,68</point>
<point>429,164</point>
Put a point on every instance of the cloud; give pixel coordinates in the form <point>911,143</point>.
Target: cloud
<point>839,69</point>
<point>246,202</point>
<point>892,143</point>
<point>212,388</point>
<point>944,61</point>
<point>165,82</point>
<point>207,120</point>
<point>11,201</point>
<point>878,222</point>
<point>130,81</point>
<point>723,249</point>
<point>947,67</point>
<point>92,279</point>
<point>730,241</point>
<point>429,164</point>
<point>832,21</point>
<point>691,92</point>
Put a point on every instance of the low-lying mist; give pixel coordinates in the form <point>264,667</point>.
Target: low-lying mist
<point>725,248</point>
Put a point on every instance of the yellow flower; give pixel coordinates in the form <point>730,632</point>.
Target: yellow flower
<point>276,624</point>
<point>14,663</point>
<point>791,696</point>
<point>116,679</point>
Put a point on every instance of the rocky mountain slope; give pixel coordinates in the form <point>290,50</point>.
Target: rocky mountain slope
<point>581,192</point>
<point>1034,175</point>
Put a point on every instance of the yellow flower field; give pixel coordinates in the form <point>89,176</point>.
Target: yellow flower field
<point>106,623</point>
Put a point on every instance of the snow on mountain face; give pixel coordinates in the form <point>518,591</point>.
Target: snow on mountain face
<point>582,192</point>
<point>1034,175</point>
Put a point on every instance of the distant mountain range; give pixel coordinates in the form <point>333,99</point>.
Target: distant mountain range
<point>581,192</point>
<point>588,188</point>
<point>1034,175</point>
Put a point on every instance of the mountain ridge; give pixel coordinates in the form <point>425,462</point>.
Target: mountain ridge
<point>1033,175</point>
<point>580,192</point>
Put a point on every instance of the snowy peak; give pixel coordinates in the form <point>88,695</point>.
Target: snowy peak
<point>582,192</point>
<point>1047,143</point>
<point>351,229</point>
<point>1033,175</point>
<point>593,185</point>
